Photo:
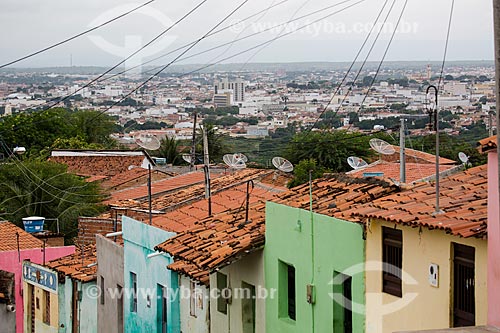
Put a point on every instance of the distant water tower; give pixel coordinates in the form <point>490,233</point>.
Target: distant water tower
<point>429,72</point>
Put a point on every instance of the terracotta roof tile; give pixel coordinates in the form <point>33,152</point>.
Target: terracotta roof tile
<point>416,156</point>
<point>98,165</point>
<point>8,238</point>
<point>463,199</point>
<point>488,144</point>
<point>120,198</point>
<point>414,171</point>
<point>75,265</point>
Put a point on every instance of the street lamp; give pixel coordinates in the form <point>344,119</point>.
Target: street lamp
<point>433,110</point>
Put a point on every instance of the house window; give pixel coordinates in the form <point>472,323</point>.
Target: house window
<point>287,291</point>
<point>222,288</point>
<point>46,312</point>
<point>133,282</point>
<point>392,253</point>
<point>102,290</point>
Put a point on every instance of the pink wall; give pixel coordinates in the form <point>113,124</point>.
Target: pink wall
<point>9,261</point>
<point>493,242</point>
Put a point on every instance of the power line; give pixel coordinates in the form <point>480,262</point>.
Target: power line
<point>383,58</point>
<point>446,44</point>
<point>76,36</point>
<point>351,67</point>
<point>170,63</point>
<point>228,43</point>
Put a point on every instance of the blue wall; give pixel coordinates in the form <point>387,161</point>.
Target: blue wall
<point>139,241</point>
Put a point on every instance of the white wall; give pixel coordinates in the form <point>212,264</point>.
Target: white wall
<point>195,320</point>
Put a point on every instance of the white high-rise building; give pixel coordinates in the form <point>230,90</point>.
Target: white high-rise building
<point>238,87</point>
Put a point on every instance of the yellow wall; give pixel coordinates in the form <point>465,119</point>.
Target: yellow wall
<point>40,326</point>
<point>430,307</point>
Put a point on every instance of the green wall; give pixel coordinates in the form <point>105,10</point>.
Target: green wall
<point>338,246</point>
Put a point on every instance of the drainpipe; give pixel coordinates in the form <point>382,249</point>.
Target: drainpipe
<point>310,288</point>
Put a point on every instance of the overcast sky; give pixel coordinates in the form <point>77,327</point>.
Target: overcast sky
<point>28,25</point>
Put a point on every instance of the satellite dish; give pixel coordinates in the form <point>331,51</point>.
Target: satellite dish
<point>234,161</point>
<point>463,158</point>
<point>241,157</point>
<point>356,162</point>
<point>282,165</point>
<point>382,147</point>
<point>147,141</point>
<point>187,158</point>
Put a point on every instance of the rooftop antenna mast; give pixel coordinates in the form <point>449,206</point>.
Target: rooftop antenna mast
<point>149,142</point>
<point>433,110</point>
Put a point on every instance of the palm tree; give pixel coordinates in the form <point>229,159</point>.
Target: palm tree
<point>169,149</point>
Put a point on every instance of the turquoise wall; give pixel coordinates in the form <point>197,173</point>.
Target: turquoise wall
<point>139,241</point>
<point>338,246</point>
<point>87,307</point>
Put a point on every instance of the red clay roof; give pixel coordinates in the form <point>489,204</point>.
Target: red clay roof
<point>416,156</point>
<point>135,174</point>
<point>185,218</point>
<point>159,187</point>
<point>216,242</point>
<point>73,266</point>
<point>488,144</point>
<point>8,238</point>
<point>414,171</point>
<point>463,198</point>
<point>98,165</point>
<point>195,192</point>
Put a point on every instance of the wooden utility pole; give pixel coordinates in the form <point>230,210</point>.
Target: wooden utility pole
<point>193,144</point>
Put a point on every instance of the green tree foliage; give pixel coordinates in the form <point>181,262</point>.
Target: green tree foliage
<point>41,130</point>
<point>217,143</point>
<point>329,149</point>
<point>169,149</point>
<point>302,170</point>
<point>449,147</point>
<point>34,188</point>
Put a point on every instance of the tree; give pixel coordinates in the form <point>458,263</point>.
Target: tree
<point>217,145</point>
<point>329,149</point>
<point>35,188</point>
<point>169,149</point>
<point>302,170</point>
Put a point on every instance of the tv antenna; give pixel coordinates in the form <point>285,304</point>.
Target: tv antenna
<point>464,158</point>
<point>356,162</point>
<point>382,147</point>
<point>282,164</point>
<point>147,141</point>
<point>235,161</point>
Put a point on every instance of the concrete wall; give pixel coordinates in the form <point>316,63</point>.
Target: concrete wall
<point>493,242</point>
<point>10,262</point>
<point>7,319</point>
<point>195,320</point>
<point>110,259</point>
<point>422,306</point>
<point>249,270</point>
<point>139,241</point>
<point>338,247</point>
<point>87,308</point>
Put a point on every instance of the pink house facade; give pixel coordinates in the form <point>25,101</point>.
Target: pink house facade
<point>12,261</point>
<point>489,146</point>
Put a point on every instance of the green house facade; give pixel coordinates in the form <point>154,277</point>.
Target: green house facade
<point>316,265</point>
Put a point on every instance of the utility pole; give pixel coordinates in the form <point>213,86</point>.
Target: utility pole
<point>402,153</point>
<point>490,123</point>
<point>436,128</point>
<point>193,144</point>
<point>206,161</point>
